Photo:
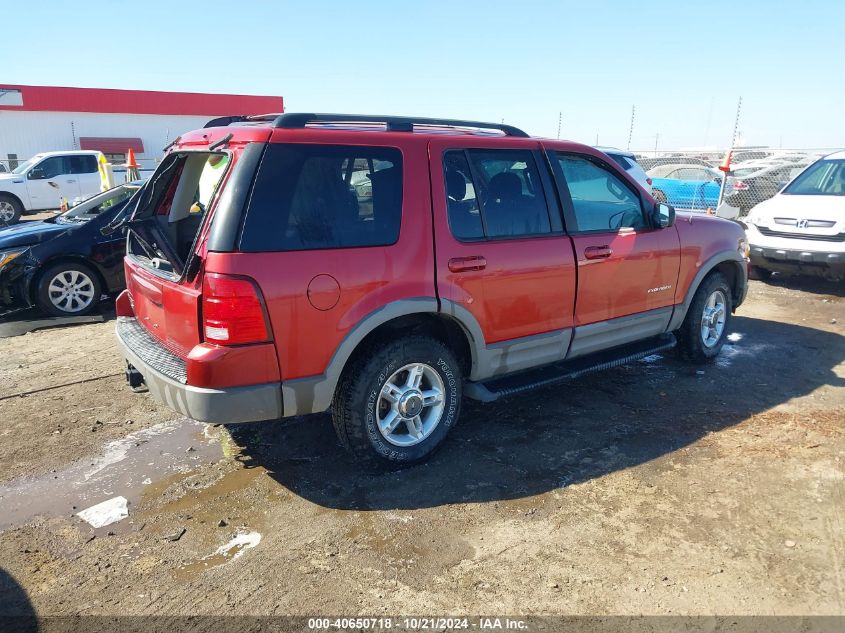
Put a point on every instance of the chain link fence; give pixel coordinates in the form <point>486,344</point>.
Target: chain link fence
<point>692,180</point>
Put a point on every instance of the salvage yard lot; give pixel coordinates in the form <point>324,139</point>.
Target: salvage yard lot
<point>657,487</point>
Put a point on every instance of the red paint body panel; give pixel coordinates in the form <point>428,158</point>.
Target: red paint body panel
<point>527,285</point>
<point>107,100</point>
<point>216,366</point>
<point>701,237</point>
<point>369,278</point>
<point>619,284</point>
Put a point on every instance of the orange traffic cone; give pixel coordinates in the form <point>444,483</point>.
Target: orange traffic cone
<point>132,168</point>
<point>726,163</point>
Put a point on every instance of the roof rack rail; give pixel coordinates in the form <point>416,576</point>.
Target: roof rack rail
<point>393,123</point>
<point>223,121</point>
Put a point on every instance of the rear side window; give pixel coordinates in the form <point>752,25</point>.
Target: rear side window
<point>494,194</point>
<point>324,196</point>
<point>82,164</point>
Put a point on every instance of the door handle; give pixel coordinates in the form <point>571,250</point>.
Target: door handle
<point>466,264</point>
<point>598,252</point>
<point>71,180</point>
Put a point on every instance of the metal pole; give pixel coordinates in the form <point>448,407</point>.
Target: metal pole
<point>559,119</point>
<point>733,142</point>
<point>656,138</point>
<point>631,129</point>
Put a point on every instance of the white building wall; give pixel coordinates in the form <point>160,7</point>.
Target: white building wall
<point>27,133</point>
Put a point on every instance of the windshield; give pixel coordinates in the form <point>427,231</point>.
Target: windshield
<point>25,165</point>
<point>93,207</point>
<point>823,178</point>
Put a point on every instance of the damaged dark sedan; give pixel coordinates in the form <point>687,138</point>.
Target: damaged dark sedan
<point>65,264</point>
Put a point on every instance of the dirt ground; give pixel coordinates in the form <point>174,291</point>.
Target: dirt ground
<point>654,488</point>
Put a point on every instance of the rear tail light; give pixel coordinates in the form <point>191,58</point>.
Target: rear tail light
<point>648,180</point>
<point>233,311</point>
<point>740,186</point>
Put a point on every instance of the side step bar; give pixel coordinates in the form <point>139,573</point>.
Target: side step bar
<point>495,388</point>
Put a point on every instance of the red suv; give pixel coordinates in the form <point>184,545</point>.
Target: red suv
<point>384,267</point>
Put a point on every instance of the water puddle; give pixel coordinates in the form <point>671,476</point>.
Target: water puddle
<point>125,467</point>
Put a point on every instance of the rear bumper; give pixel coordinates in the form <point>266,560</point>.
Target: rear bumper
<point>253,403</point>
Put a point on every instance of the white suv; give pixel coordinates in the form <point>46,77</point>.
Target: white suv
<point>41,182</point>
<point>628,162</point>
<point>802,228</point>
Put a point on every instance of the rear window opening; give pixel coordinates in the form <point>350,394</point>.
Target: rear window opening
<point>173,208</point>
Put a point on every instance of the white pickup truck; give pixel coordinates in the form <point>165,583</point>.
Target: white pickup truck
<point>41,182</point>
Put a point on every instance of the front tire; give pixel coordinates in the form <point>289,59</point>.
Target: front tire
<point>705,327</point>
<point>68,289</point>
<point>396,403</point>
<point>10,210</point>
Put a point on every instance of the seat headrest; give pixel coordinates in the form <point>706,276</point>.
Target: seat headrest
<point>456,185</point>
<point>505,186</point>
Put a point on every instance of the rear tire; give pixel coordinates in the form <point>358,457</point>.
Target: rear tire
<point>387,418</point>
<point>703,332</point>
<point>68,289</point>
<point>10,210</point>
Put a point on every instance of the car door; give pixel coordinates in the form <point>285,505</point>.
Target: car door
<point>49,181</point>
<point>505,267</point>
<point>627,270</point>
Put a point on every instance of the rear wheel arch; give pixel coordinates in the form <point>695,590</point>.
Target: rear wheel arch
<point>436,325</point>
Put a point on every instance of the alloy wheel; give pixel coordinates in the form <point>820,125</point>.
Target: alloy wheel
<point>71,291</point>
<point>410,404</point>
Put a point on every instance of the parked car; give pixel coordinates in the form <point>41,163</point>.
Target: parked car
<point>628,162</point>
<point>802,228</point>
<point>41,182</point>
<point>65,264</point>
<point>650,163</point>
<point>749,186</point>
<point>466,277</point>
<point>686,186</point>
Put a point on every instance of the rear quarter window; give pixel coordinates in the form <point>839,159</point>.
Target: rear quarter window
<point>324,196</point>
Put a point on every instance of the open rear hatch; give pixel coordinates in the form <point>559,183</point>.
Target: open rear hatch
<point>164,263</point>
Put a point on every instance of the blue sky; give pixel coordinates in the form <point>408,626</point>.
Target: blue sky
<point>683,64</point>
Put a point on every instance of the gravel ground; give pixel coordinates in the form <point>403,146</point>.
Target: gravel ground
<point>654,488</point>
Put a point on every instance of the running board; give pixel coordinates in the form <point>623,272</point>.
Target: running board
<point>495,388</point>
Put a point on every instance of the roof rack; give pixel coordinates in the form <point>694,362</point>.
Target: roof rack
<point>224,121</point>
<point>393,123</point>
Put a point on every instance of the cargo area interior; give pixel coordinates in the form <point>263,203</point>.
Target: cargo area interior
<point>171,212</point>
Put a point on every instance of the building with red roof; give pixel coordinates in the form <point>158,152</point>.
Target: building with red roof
<point>45,118</point>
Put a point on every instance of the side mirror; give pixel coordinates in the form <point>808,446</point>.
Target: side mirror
<point>36,173</point>
<point>663,215</point>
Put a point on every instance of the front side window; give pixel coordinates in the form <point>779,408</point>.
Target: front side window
<point>494,194</point>
<point>50,168</point>
<point>600,200</point>
<point>324,196</point>
<point>823,178</point>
